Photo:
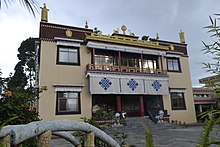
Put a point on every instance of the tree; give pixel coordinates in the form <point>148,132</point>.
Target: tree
<point>20,95</point>
<point>3,83</point>
<point>213,49</point>
<point>212,117</point>
<point>31,5</point>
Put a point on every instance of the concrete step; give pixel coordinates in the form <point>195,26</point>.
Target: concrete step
<point>138,122</point>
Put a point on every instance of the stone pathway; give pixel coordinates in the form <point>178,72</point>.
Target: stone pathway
<point>164,134</point>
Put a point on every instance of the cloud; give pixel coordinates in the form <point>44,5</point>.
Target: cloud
<point>14,29</point>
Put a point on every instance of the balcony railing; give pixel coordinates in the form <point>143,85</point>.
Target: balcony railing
<point>103,67</point>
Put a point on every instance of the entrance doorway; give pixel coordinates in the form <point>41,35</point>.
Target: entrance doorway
<point>152,102</point>
<point>131,105</point>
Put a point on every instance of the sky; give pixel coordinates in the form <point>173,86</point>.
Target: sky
<point>143,17</point>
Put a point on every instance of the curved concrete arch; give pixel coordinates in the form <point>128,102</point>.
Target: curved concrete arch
<point>20,133</point>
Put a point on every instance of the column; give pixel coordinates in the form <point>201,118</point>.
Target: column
<point>118,103</point>
<point>93,58</point>
<point>142,66</point>
<point>119,60</point>
<point>200,108</point>
<point>141,106</point>
<point>161,62</point>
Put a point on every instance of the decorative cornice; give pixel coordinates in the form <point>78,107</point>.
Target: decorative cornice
<point>64,28</point>
<point>47,39</point>
<point>126,40</point>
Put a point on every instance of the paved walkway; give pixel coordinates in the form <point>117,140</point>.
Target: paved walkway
<point>164,134</point>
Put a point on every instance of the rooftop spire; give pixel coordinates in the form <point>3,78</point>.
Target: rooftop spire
<point>86,25</point>
<point>182,38</point>
<point>157,36</point>
<point>44,13</point>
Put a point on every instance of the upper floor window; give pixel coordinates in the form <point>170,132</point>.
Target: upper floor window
<point>105,60</point>
<point>130,62</point>
<point>68,103</point>
<point>152,64</point>
<point>173,65</point>
<point>68,55</point>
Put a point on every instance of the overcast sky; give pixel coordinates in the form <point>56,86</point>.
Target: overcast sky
<point>143,17</point>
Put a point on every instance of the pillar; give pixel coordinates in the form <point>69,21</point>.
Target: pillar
<point>141,106</point>
<point>142,66</point>
<point>200,108</point>
<point>45,139</point>
<point>161,62</point>
<point>118,103</point>
<point>89,140</point>
<point>6,141</point>
<point>119,60</point>
<point>93,58</point>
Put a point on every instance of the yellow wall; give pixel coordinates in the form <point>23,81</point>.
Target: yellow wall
<point>50,74</point>
<point>181,80</point>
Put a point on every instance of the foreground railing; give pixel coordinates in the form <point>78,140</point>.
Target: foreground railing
<point>103,67</point>
<point>16,134</point>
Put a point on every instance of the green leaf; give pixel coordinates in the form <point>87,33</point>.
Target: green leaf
<point>149,138</point>
<point>10,119</point>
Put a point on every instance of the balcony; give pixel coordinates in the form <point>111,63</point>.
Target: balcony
<point>110,68</point>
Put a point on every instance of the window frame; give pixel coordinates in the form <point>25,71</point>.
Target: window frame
<point>172,101</point>
<point>68,63</point>
<point>67,112</point>
<point>178,63</point>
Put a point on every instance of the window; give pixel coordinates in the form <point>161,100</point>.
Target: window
<point>130,62</point>
<point>68,55</point>
<point>68,103</point>
<point>151,64</point>
<point>105,60</point>
<point>178,101</point>
<point>173,65</point>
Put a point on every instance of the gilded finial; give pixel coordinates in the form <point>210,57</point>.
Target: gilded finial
<point>44,13</point>
<point>86,25</point>
<point>124,29</point>
<point>116,31</point>
<point>182,38</point>
<point>157,36</point>
<point>131,33</point>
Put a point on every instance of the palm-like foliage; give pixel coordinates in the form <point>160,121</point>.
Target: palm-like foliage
<point>208,133</point>
<point>30,5</point>
<point>149,138</point>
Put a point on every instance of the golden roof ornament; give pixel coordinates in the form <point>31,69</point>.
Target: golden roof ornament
<point>157,36</point>
<point>69,33</point>
<point>86,25</point>
<point>124,29</point>
<point>131,33</point>
<point>116,31</point>
<point>182,38</point>
<point>44,13</point>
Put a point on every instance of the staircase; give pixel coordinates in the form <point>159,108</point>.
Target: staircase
<point>138,122</point>
<point>136,132</point>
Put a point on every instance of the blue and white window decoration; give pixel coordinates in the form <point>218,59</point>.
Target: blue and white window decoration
<point>156,85</point>
<point>132,84</point>
<point>105,83</point>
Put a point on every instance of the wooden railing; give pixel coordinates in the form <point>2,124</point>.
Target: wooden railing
<point>103,67</point>
<point>15,134</point>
